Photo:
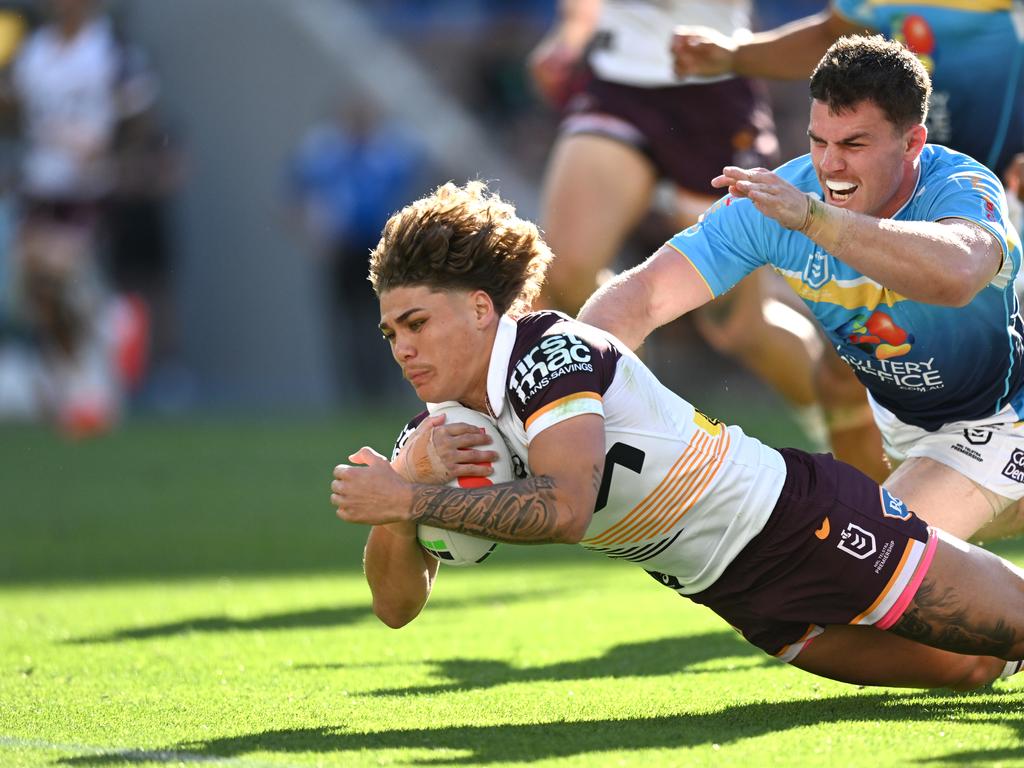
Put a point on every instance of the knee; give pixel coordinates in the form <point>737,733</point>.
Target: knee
<point>973,673</point>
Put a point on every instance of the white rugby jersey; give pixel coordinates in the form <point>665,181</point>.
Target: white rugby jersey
<point>633,37</point>
<point>681,494</point>
<point>67,88</point>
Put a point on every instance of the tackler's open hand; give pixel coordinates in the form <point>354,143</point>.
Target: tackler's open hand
<point>772,195</point>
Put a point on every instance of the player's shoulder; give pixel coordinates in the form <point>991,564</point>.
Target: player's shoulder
<point>942,166</point>
<point>936,158</point>
<point>555,356</point>
<point>536,327</point>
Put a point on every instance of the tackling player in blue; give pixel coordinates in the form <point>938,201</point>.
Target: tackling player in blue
<point>974,53</point>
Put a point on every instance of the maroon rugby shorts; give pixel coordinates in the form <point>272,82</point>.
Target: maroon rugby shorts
<point>689,132</point>
<point>837,549</point>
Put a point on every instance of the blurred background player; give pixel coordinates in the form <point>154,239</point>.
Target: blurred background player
<point>348,174</point>
<point>629,125</point>
<point>71,84</point>
<point>974,53</point>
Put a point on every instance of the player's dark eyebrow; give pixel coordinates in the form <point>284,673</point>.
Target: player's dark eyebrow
<point>400,319</point>
<point>851,139</point>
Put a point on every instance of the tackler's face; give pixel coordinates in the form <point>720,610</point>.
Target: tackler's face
<point>439,340</point>
<point>864,163</point>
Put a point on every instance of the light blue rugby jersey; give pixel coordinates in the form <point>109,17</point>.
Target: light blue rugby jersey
<point>974,51</point>
<point>929,365</point>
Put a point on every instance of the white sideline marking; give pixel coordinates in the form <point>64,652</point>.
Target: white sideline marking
<point>136,755</point>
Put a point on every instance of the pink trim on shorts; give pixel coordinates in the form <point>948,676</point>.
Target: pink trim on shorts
<point>789,652</point>
<point>603,124</point>
<point>907,595</point>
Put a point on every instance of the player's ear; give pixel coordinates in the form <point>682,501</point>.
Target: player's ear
<point>915,138</point>
<point>483,307</point>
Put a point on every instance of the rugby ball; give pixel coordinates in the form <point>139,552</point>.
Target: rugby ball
<point>453,548</point>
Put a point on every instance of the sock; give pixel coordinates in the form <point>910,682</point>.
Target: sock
<point>1011,668</point>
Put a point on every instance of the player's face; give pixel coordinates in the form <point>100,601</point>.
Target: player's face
<point>864,164</point>
<point>441,340</point>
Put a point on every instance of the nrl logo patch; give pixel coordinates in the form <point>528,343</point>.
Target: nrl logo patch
<point>978,436</point>
<point>818,270</point>
<point>857,542</point>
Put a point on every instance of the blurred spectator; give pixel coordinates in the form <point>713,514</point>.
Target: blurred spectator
<point>71,83</point>
<point>474,49</point>
<point>348,174</point>
<point>149,167</point>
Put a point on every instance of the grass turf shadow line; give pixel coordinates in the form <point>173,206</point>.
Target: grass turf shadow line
<point>532,742</point>
<point>644,659</point>
<point>317,618</point>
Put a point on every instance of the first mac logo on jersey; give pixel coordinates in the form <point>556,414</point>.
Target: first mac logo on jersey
<point>553,357</point>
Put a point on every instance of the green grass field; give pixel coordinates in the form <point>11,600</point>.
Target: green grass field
<point>182,593</point>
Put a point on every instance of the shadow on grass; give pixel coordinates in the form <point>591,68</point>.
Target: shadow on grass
<point>317,618</point>
<point>529,743</point>
<point>647,659</point>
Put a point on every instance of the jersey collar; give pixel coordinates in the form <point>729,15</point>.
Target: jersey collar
<point>501,356</point>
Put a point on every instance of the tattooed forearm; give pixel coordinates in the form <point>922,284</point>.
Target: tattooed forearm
<point>940,618</point>
<point>522,512</point>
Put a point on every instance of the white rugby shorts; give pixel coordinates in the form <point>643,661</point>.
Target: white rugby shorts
<point>989,451</point>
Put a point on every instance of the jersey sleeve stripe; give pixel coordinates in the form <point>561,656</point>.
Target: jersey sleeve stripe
<point>558,403</point>
<point>561,409</point>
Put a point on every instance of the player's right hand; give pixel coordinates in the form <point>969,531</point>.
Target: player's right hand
<point>553,65</point>
<point>701,51</point>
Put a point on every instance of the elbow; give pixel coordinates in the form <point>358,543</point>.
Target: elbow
<point>959,291</point>
<point>395,616</point>
<point>573,529</point>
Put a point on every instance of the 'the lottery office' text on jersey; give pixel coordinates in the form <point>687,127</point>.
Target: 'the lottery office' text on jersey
<point>681,493</point>
<point>929,365</point>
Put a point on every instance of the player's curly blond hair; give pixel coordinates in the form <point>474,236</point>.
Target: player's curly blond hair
<point>463,238</point>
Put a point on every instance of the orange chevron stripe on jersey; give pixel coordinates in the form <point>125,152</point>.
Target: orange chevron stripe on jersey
<point>678,469</point>
<point>897,572</point>
<point>657,505</point>
<point>681,488</point>
<point>704,479</point>
<point>559,403</point>
<point>664,506</point>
